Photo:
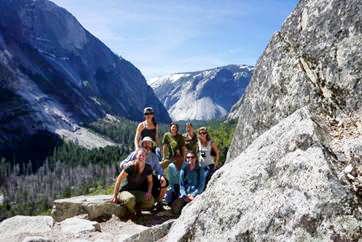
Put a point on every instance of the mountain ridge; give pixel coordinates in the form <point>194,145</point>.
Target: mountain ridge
<point>196,95</point>
<point>57,76</point>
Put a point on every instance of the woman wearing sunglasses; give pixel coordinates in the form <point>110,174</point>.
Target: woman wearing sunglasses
<point>148,128</point>
<point>206,149</point>
<point>191,182</point>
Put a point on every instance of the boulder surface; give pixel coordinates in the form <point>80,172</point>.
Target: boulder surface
<point>283,187</point>
<point>313,60</point>
<point>293,171</point>
<point>25,225</point>
<point>96,207</point>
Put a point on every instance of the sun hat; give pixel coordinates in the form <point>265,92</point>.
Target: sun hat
<point>148,110</point>
<point>147,138</point>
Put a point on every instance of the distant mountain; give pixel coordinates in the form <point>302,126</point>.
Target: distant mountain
<point>56,76</point>
<point>202,95</point>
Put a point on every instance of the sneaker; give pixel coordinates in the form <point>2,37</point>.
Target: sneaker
<point>159,206</point>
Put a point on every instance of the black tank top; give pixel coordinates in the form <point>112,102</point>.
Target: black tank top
<point>149,132</point>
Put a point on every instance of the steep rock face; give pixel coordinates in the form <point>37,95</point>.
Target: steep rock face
<point>54,74</point>
<point>294,169</point>
<point>314,60</point>
<point>202,95</point>
<point>283,187</point>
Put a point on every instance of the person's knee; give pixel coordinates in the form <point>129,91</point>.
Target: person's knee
<point>148,204</point>
<point>172,167</point>
<point>127,199</point>
<point>163,182</point>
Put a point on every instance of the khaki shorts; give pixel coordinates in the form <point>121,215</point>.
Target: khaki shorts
<point>135,199</point>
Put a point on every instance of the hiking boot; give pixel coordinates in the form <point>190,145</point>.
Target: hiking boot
<point>159,206</point>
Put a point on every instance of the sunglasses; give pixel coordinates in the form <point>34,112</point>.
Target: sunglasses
<point>190,157</point>
<point>148,113</point>
<point>203,133</point>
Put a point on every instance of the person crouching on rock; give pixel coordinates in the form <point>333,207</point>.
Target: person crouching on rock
<point>159,181</point>
<point>133,195</point>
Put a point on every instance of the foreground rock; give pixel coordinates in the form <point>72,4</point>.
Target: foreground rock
<point>315,60</point>
<point>98,207</point>
<point>152,234</point>
<point>293,171</point>
<point>281,188</point>
<point>73,222</point>
<point>43,229</point>
<point>78,225</point>
<point>37,239</point>
<point>19,225</point>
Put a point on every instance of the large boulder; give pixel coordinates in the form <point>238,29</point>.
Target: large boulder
<point>315,60</point>
<point>77,225</point>
<point>283,187</point>
<point>151,234</point>
<point>146,227</point>
<point>18,225</point>
<point>98,207</point>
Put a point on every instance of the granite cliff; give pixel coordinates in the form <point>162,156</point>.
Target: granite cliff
<point>56,76</point>
<point>294,168</point>
<point>313,60</point>
<point>202,95</point>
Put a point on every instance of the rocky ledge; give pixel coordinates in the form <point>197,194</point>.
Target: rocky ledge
<point>97,207</point>
<point>299,181</point>
<point>87,218</point>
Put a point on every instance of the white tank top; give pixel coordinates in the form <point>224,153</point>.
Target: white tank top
<point>205,157</point>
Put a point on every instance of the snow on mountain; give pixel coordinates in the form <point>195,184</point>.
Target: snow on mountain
<point>202,95</point>
<point>159,81</point>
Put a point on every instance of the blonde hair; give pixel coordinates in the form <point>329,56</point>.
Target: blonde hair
<point>208,138</point>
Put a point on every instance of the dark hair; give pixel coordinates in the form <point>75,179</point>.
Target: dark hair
<point>153,118</point>
<point>154,121</point>
<point>193,153</point>
<point>173,123</point>
<point>196,163</point>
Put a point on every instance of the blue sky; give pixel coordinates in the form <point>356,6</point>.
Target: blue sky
<point>167,36</point>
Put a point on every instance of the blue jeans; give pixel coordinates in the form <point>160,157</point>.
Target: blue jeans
<point>173,191</point>
<point>209,170</point>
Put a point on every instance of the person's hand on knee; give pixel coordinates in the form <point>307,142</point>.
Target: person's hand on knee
<point>148,195</point>
<point>114,198</point>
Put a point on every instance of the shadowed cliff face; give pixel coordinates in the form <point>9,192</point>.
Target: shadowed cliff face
<point>56,74</point>
<point>314,60</point>
<point>300,128</point>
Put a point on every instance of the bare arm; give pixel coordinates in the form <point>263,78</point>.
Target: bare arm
<point>183,152</point>
<point>137,137</point>
<point>164,151</point>
<point>149,187</point>
<point>119,180</point>
<point>217,158</point>
<point>158,142</point>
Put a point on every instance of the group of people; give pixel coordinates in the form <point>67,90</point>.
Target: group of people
<point>163,172</point>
